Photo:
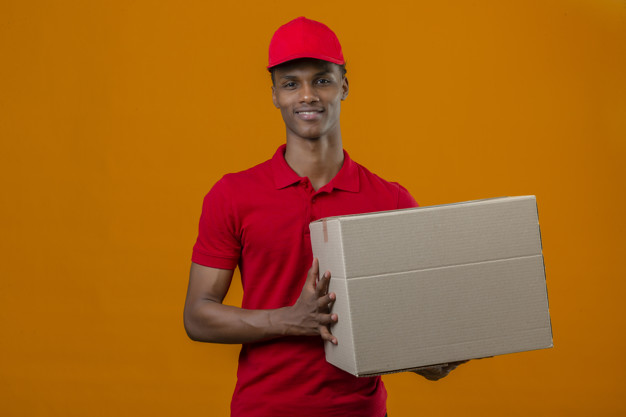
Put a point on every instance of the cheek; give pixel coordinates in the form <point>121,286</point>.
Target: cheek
<point>286,114</point>
<point>335,106</point>
<point>282,103</point>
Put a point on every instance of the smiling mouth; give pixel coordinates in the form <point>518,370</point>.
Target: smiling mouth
<point>309,112</point>
<point>309,115</point>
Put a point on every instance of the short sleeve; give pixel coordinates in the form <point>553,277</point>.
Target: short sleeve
<point>218,244</point>
<point>405,199</point>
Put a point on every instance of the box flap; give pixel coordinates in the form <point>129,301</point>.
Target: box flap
<point>414,239</point>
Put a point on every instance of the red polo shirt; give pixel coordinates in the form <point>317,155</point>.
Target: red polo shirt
<point>258,220</point>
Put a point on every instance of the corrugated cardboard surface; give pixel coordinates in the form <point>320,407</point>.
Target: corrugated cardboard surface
<point>436,284</point>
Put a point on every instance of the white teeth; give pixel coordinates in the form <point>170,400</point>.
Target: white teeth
<point>307,112</point>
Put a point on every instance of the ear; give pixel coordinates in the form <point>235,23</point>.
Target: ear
<point>274,99</point>
<point>345,87</point>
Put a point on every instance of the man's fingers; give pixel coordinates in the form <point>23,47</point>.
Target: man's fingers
<point>322,284</point>
<point>436,372</point>
<point>327,336</point>
<point>435,369</point>
<point>326,301</point>
<point>453,365</point>
<point>314,274</point>
<point>327,319</point>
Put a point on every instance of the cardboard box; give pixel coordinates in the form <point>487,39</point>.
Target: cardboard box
<point>433,285</point>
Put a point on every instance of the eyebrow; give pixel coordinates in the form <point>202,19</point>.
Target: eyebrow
<point>293,77</point>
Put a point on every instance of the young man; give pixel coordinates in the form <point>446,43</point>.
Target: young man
<point>258,220</point>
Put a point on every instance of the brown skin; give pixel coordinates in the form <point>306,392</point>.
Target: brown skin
<point>436,372</point>
<point>314,147</point>
<point>308,94</point>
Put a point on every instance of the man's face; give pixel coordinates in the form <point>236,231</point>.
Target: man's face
<point>308,93</point>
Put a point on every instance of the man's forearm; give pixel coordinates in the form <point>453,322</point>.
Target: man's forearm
<point>218,323</point>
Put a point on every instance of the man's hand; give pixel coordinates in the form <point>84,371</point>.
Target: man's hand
<point>310,315</point>
<point>436,372</point>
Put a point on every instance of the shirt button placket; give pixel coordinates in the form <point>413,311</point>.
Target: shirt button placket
<point>314,208</point>
<point>306,186</point>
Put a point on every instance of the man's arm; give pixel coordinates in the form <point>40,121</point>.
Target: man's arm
<point>208,320</point>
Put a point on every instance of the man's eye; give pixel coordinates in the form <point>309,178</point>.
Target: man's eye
<point>289,84</point>
<point>323,81</point>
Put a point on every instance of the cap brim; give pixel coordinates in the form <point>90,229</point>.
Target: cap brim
<point>305,55</point>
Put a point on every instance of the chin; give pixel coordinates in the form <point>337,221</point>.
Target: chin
<point>309,136</point>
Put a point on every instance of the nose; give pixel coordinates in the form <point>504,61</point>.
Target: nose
<point>308,94</point>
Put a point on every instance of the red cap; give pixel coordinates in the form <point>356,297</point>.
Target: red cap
<point>304,38</point>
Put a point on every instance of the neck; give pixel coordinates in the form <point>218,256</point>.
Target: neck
<point>319,160</point>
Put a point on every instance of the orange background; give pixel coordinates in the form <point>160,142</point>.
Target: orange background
<point>116,117</point>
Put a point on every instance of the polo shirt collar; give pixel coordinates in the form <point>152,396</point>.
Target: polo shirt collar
<point>347,178</point>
